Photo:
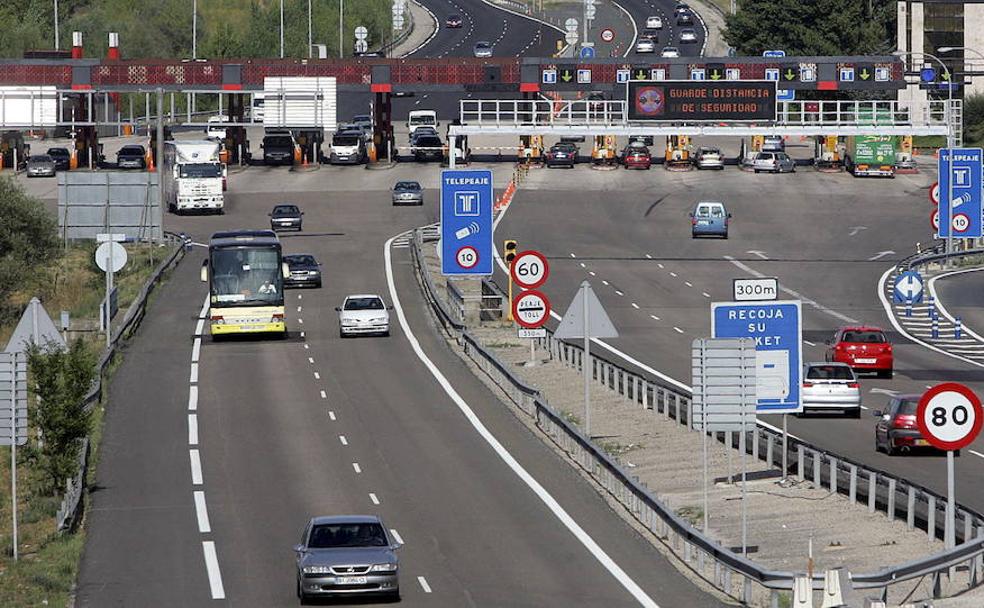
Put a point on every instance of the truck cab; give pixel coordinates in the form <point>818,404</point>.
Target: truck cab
<point>422,118</point>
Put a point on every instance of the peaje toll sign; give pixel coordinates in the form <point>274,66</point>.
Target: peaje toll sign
<point>692,101</point>
<point>949,416</point>
<point>531,309</point>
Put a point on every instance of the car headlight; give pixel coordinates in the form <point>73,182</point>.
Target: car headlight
<point>317,570</point>
<point>380,320</point>
<point>385,568</point>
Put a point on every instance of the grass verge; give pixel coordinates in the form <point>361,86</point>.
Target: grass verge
<point>49,560</point>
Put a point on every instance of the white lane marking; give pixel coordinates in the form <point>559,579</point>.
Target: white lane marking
<point>196,350</point>
<point>634,305</point>
<point>705,294</point>
<point>196,467</point>
<point>880,255</point>
<point>884,391</point>
<point>302,334</point>
<point>619,292</point>
<point>660,266</point>
<point>677,329</point>
<point>591,272</point>
<point>673,274</point>
<point>355,465</point>
<point>212,566</point>
<point>299,296</point>
<point>654,317</point>
<point>203,313</point>
<point>808,342</point>
<point>582,265</point>
<point>317,376</point>
<point>343,439</point>
<point>300,320</point>
<point>202,512</point>
<point>976,453</point>
<point>548,500</point>
<point>307,346</point>
<point>760,254</point>
<point>324,395</point>
<point>200,327</point>
<point>331,415</point>
<point>373,498</point>
<point>573,256</point>
<point>688,283</point>
<point>193,378</point>
<point>797,295</point>
<point>649,257</point>
<point>193,398</point>
<point>604,282</point>
<point>298,309</point>
<point>192,429</point>
<point>311,360</point>
<point>396,536</point>
<point>423,584</point>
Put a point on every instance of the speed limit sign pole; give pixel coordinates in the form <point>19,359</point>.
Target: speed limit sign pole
<point>949,417</point>
<point>529,270</point>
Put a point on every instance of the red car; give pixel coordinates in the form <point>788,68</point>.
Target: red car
<point>864,348</point>
<point>636,157</point>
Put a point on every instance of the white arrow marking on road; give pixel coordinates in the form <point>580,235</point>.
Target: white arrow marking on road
<point>760,254</point>
<point>884,391</point>
<point>857,229</point>
<point>880,255</point>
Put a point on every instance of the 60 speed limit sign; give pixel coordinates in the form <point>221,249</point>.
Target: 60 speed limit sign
<point>949,416</point>
<point>529,269</point>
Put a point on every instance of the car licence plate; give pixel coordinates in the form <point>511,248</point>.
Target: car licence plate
<point>864,360</point>
<point>703,222</point>
<point>922,442</point>
<point>351,580</point>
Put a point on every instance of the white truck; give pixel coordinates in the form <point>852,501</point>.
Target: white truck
<point>422,118</point>
<point>193,175</point>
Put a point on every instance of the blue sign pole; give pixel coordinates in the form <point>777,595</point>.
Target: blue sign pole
<point>777,329</point>
<point>960,193</point>
<point>466,222</point>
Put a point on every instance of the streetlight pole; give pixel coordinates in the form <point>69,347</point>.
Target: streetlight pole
<point>194,29</point>
<point>281,29</point>
<point>310,50</point>
<point>341,20</point>
<point>56,25</point>
<point>949,145</point>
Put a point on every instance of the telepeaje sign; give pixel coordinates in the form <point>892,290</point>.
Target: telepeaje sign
<point>695,101</point>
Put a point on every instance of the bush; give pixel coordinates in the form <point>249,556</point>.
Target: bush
<point>973,118</point>
<point>28,238</point>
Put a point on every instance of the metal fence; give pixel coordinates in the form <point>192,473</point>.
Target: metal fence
<point>70,510</point>
<point>732,573</point>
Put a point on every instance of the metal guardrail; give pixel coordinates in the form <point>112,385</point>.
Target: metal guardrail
<point>68,513</point>
<point>387,48</point>
<point>881,491</point>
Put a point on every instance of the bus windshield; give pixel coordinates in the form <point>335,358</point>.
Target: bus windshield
<point>201,170</point>
<point>246,276</point>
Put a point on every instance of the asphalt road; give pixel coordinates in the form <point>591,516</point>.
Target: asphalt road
<point>828,238</point>
<point>961,294</point>
<point>511,35</point>
<point>272,450</point>
<point>670,34</point>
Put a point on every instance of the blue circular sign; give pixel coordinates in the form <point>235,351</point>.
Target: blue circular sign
<point>927,74</point>
<point>587,52</point>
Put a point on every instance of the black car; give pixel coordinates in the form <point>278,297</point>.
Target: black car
<point>304,271</point>
<point>278,148</point>
<point>453,21</point>
<point>685,18</point>
<point>131,156</point>
<point>427,147</point>
<point>286,217</point>
<point>562,155</point>
<point>62,158</point>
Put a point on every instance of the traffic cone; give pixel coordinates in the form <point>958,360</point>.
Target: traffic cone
<point>150,162</point>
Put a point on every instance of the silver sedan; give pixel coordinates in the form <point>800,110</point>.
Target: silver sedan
<point>645,45</point>
<point>408,193</point>
<point>40,165</point>
<point>773,162</point>
<point>363,314</point>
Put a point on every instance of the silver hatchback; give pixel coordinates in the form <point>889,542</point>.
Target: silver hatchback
<point>347,555</point>
<point>773,162</point>
<point>831,386</point>
<point>408,193</point>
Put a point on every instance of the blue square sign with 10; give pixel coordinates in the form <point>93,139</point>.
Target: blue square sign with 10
<point>960,201</point>
<point>466,222</point>
<point>776,328</point>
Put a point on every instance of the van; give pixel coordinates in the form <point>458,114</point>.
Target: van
<point>216,128</point>
<point>278,147</point>
<point>422,118</point>
<point>347,147</point>
<point>709,218</point>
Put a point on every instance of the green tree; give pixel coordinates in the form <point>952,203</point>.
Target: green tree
<point>28,237</point>
<point>59,379</point>
<point>973,119</point>
<point>813,27</point>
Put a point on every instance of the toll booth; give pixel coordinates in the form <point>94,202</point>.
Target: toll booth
<point>531,149</point>
<point>13,150</point>
<point>461,150</point>
<point>168,136</point>
<point>309,141</point>
<point>383,139</point>
<point>826,154</point>
<point>677,154</point>
<point>905,160</point>
<point>235,143</point>
<point>604,152</point>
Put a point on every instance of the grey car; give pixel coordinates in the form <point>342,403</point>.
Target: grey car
<point>40,165</point>
<point>408,193</point>
<point>483,49</point>
<point>347,555</point>
<point>286,217</point>
<point>773,162</point>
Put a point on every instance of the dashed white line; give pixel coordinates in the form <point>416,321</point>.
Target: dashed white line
<point>300,320</point>
<point>355,465</point>
<point>636,306</point>
<point>591,272</point>
<point>196,467</point>
<point>343,439</point>
<point>202,512</point>
<point>677,329</point>
<point>673,274</point>
<point>373,498</point>
<point>583,265</point>
<point>604,282</point>
<point>660,266</point>
<point>705,294</point>
<point>194,373</point>
<point>331,415</point>
<point>654,317</point>
<point>311,360</point>
<point>324,395</point>
<point>423,584</point>
<point>976,453</point>
<point>649,257</point>
<point>809,343</point>
<point>396,536</point>
<point>317,376</point>
<point>298,309</point>
<point>299,296</point>
<point>193,398</point>
<point>619,292</point>
<point>192,429</point>
<point>200,327</point>
<point>307,346</point>
<point>302,334</point>
<point>214,574</point>
<point>196,350</point>
<point>688,283</point>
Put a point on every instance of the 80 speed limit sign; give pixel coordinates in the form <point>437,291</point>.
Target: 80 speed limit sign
<point>949,416</point>
<point>529,269</point>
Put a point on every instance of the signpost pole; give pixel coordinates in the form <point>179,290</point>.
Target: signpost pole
<point>743,444</point>
<point>785,450</point>
<point>949,535</point>
<point>109,290</point>
<point>586,363</point>
<point>703,439</point>
<point>13,447</point>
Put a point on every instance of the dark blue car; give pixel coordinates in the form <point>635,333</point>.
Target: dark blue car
<point>709,219</point>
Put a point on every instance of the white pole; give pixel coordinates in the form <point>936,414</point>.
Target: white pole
<point>109,289</point>
<point>194,29</point>
<point>949,178</point>
<point>950,534</point>
<point>56,25</point>
<point>703,438</point>
<point>310,50</point>
<point>785,448</point>
<point>586,363</point>
<point>341,23</point>
<point>281,29</point>
<point>13,447</point>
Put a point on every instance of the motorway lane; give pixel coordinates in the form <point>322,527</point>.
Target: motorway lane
<point>961,295</point>
<point>670,34</point>
<point>511,35</point>
<point>805,221</point>
<point>272,455</point>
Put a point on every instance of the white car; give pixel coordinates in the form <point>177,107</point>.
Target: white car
<point>688,34</point>
<point>645,45</point>
<point>831,386</point>
<point>654,23</point>
<point>670,51</point>
<point>363,314</point>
